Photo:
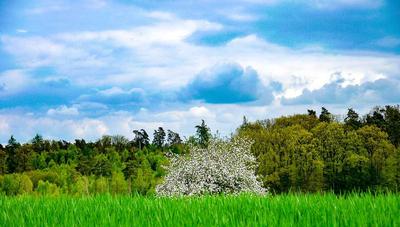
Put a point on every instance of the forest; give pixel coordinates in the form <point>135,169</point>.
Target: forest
<point>300,153</point>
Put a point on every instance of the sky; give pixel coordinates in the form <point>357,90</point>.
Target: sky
<point>83,69</point>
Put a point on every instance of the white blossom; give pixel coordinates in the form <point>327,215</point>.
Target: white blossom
<point>224,167</point>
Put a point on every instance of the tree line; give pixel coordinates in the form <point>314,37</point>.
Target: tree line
<point>302,152</point>
<point>311,153</point>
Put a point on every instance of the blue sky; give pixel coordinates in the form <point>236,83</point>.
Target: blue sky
<point>72,69</point>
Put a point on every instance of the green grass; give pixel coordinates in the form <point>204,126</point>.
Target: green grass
<point>244,210</point>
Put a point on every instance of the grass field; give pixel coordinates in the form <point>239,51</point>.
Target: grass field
<point>244,210</point>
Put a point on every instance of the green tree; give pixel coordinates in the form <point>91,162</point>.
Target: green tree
<point>101,185</point>
<point>173,138</point>
<point>10,184</point>
<point>352,119</point>
<point>378,150</point>
<point>141,138</point>
<point>325,115</point>
<point>329,142</point>
<point>38,143</point>
<point>143,181</point>
<point>25,184</point>
<point>118,183</point>
<point>392,123</point>
<point>159,137</point>
<point>203,134</point>
<point>312,113</point>
<point>3,161</point>
<point>11,151</point>
<point>102,166</point>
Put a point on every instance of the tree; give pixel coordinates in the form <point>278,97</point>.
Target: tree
<point>10,184</point>
<point>25,184</point>
<point>37,143</point>
<point>352,119</point>
<point>3,161</point>
<point>173,138</point>
<point>119,142</point>
<point>378,150</point>
<point>100,185</point>
<point>223,167</point>
<point>392,123</point>
<point>11,151</point>
<point>376,117</point>
<point>141,138</point>
<point>22,158</point>
<point>312,113</point>
<point>329,140</point>
<point>118,184</point>
<point>143,181</point>
<point>102,166</point>
<point>203,134</point>
<point>159,137</point>
<point>325,115</point>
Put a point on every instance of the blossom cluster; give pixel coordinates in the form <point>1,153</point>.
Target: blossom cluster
<point>223,167</point>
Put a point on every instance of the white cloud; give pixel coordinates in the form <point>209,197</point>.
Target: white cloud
<point>222,118</point>
<point>20,30</point>
<point>63,110</point>
<point>338,4</point>
<point>14,81</point>
<point>159,56</point>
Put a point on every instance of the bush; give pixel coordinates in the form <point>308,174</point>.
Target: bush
<point>10,184</point>
<point>25,184</point>
<point>118,183</point>
<point>47,188</point>
<point>223,167</point>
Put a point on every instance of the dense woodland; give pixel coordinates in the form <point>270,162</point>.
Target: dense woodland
<point>303,152</point>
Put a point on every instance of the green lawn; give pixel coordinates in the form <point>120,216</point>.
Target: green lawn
<point>244,210</point>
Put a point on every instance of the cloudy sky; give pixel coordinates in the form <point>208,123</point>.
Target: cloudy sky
<point>80,70</point>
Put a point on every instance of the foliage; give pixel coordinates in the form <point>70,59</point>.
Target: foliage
<point>223,167</point>
<point>301,152</point>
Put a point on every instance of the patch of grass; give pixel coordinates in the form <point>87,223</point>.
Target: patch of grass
<point>243,210</point>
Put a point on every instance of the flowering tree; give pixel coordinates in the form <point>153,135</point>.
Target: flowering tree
<point>223,167</point>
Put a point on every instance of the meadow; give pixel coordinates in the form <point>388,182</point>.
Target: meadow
<point>243,210</point>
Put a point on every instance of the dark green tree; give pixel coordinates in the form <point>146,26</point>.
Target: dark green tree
<point>325,115</point>
<point>3,161</point>
<point>38,143</point>
<point>159,137</point>
<point>376,117</point>
<point>392,124</point>
<point>173,138</point>
<point>352,120</point>
<point>11,151</point>
<point>312,113</point>
<point>141,138</point>
<point>203,134</point>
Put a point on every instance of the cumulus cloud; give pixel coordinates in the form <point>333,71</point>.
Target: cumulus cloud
<point>63,110</point>
<point>115,96</point>
<point>148,72</point>
<point>227,83</point>
<point>339,4</point>
<point>380,91</point>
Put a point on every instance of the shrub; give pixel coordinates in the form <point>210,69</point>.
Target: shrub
<point>25,184</point>
<point>47,188</point>
<point>223,167</point>
<point>118,184</point>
